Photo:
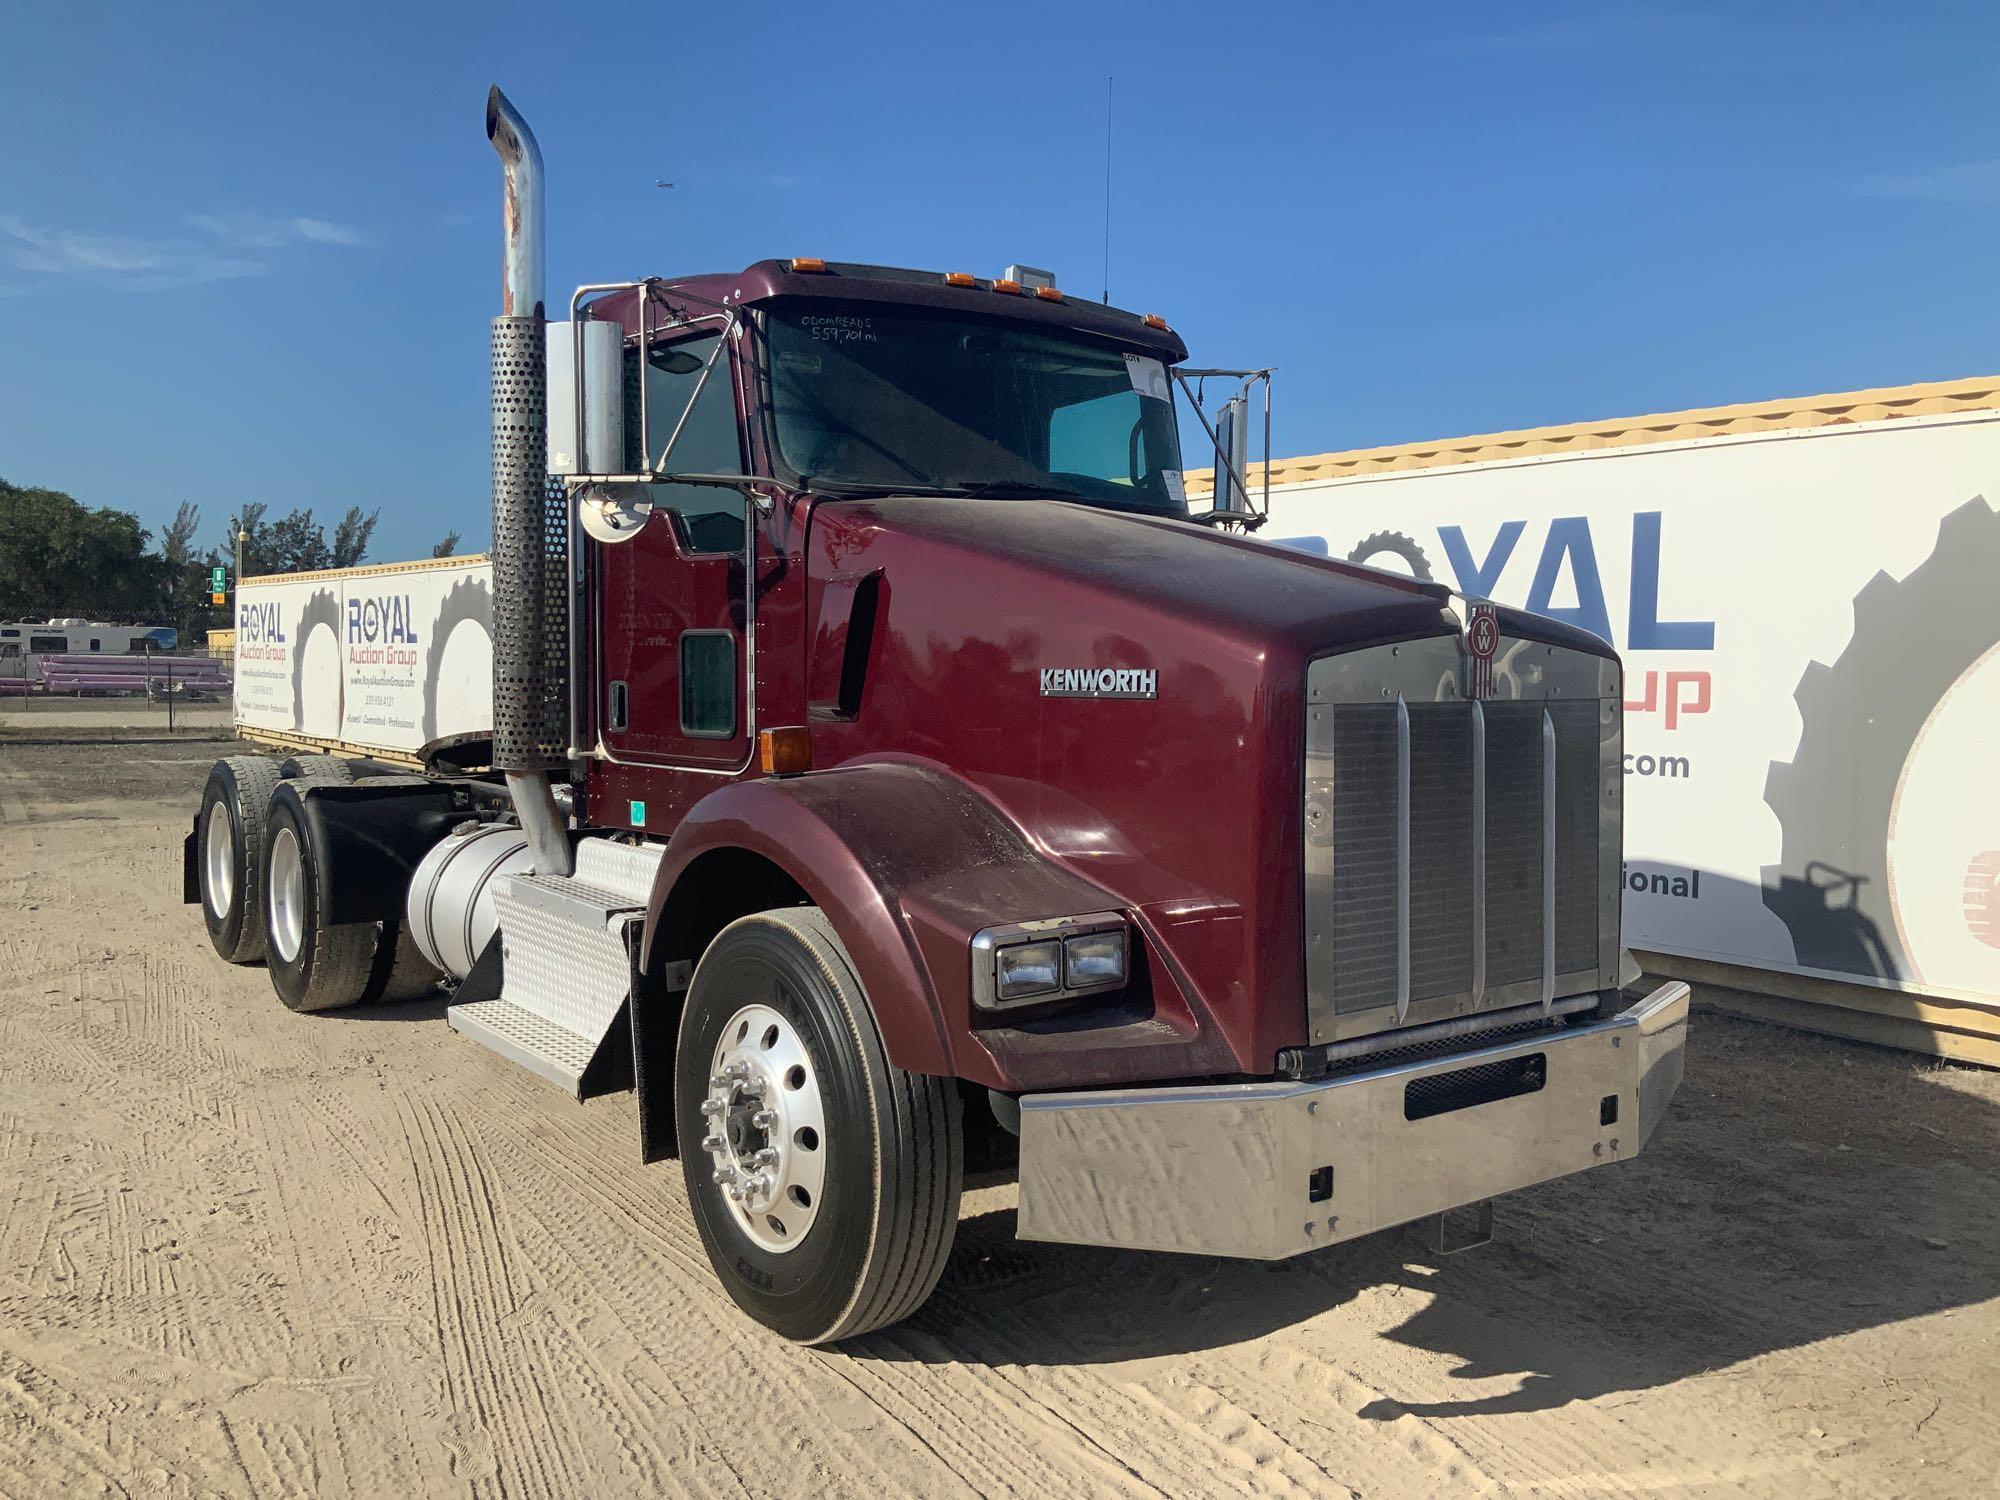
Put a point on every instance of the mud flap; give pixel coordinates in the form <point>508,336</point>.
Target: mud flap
<point>191,865</point>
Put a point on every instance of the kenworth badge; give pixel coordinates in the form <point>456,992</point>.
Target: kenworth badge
<point>1482,643</point>
<point>1100,682</point>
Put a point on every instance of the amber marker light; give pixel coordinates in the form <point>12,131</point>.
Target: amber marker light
<point>808,263</point>
<point>1048,294</point>
<point>784,752</point>
<point>1002,284</point>
<point>960,278</point>
<point>1154,320</point>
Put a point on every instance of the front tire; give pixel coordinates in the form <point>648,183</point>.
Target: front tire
<point>824,1180</point>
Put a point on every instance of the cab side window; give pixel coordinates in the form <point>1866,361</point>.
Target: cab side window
<point>711,517</point>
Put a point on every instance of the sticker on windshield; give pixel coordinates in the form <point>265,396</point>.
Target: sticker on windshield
<point>1176,491</point>
<point>1149,376</point>
<point>842,328</point>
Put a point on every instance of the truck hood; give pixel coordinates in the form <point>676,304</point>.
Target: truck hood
<point>1259,593</point>
<point>1129,692</point>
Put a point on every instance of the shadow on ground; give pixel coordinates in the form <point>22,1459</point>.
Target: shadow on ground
<point>1803,1188</point>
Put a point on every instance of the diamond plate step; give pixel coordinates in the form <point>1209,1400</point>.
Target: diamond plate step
<point>625,870</point>
<point>521,1036</point>
<point>567,947</point>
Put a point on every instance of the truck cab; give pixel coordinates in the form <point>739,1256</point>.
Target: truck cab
<point>886,756</point>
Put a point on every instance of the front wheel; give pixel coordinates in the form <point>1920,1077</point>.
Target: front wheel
<point>824,1180</point>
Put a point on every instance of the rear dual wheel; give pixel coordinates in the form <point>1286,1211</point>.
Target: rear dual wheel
<point>231,854</point>
<point>824,1180</point>
<point>316,964</point>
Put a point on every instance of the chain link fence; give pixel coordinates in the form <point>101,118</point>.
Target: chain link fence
<point>78,696</point>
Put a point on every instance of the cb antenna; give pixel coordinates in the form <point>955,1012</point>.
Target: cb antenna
<point>1107,192</point>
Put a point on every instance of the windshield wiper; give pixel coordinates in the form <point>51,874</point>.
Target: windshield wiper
<point>854,489</point>
<point>1008,489</point>
<point>991,489</point>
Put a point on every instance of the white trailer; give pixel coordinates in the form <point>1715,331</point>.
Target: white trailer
<point>24,643</point>
<point>393,662</point>
<point>1803,594</point>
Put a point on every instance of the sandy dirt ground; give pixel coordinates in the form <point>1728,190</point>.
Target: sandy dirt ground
<point>247,1252</point>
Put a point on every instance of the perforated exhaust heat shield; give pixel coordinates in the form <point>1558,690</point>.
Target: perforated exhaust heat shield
<point>530,561</point>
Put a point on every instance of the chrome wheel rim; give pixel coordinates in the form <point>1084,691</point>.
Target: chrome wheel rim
<point>219,859</point>
<point>288,895</point>
<point>765,1124</point>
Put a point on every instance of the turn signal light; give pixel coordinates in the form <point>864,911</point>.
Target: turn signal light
<point>1048,294</point>
<point>784,752</point>
<point>808,263</point>
<point>1002,284</point>
<point>960,278</point>
<point>1154,320</point>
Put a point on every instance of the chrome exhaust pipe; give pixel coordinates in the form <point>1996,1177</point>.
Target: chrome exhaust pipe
<point>521,207</point>
<point>530,587</point>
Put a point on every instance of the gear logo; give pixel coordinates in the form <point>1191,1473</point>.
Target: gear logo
<point>318,693</point>
<point>461,634</point>
<point>1885,870</point>
<point>1392,544</point>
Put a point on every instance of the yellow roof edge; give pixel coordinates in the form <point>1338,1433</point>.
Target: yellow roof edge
<point>1927,398</point>
<point>414,565</point>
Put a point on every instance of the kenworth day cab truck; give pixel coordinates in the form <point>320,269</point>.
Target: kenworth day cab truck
<point>882,762</point>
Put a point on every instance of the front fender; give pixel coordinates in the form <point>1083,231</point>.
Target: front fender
<point>908,863</point>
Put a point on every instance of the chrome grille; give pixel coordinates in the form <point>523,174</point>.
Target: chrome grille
<point>1460,855</point>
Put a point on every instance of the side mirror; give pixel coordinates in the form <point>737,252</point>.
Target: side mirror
<point>586,376</point>
<point>1232,455</point>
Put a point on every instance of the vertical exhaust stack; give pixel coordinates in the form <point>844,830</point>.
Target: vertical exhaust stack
<point>530,524</point>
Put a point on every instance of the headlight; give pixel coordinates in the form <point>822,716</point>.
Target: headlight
<point>1058,958</point>
<point>1094,960</point>
<point>1027,969</point>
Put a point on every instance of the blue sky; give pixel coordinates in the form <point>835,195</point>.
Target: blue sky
<point>250,251</point>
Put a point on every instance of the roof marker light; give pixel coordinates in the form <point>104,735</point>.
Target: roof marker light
<point>1002,284</point>
<point>1048,294</point>
<point>808,263</point>
<point>1154,320</point>
<point>960,278</point>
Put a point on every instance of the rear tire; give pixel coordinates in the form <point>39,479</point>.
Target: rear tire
<point>401,970</point>
<point>231,854</point>
<point>317,768</point>
<point>882,1170</point>
<point>314,966</point>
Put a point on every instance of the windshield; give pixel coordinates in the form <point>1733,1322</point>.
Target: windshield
<point>870,397</point>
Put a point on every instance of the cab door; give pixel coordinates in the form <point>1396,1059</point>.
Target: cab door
<point>671,654</point>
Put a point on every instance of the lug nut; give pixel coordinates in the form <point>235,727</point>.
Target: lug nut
<point>713,1107</point>
<point>764,1119</point>
<point>724,1176</point>
<point>735,1193</point>
<point>712,1143</point>
<point>768,1157</point>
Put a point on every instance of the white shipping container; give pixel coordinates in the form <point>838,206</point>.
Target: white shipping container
<point>1807,607</point>
<point>387,659</point>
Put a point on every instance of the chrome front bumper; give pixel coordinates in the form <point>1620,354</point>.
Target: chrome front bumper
<point>1268,1170</point>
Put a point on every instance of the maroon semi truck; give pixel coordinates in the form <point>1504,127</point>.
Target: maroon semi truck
<point>888,769</point>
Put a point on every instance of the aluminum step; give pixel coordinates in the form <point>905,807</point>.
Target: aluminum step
<point>521,1036</point>
<point>568,947</point>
